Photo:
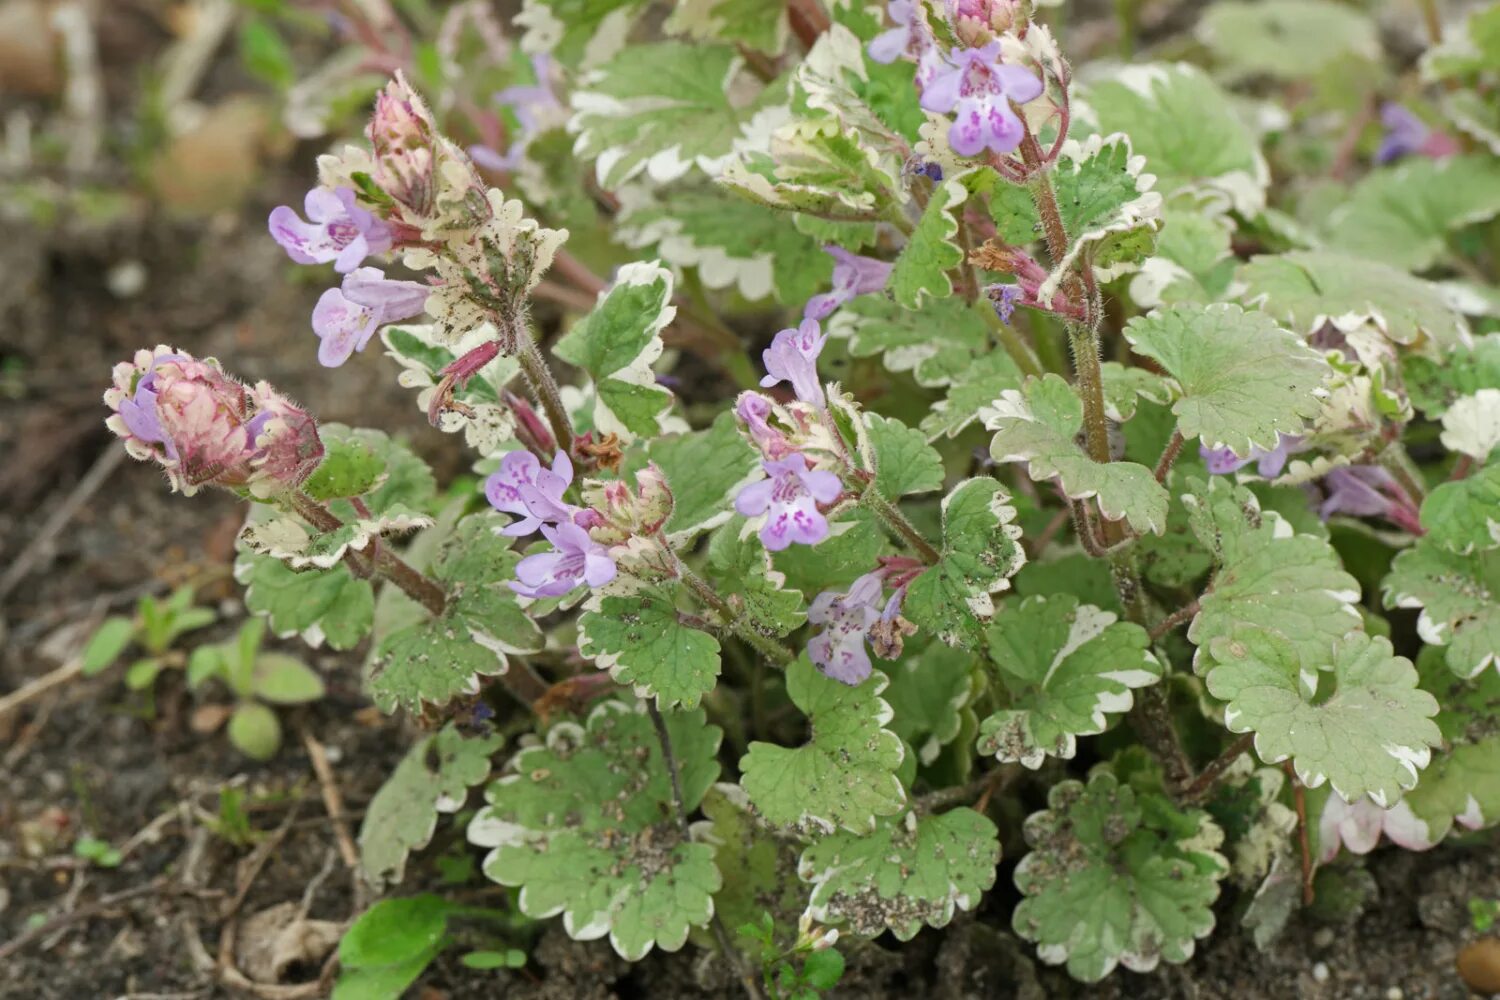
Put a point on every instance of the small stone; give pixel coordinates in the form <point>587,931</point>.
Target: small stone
<point>30,60</point>
<point>1395,993</point>
<point>126,280</point>
<point>1320,972</point>
<point>1479,965</point>
<point>1323,938</point>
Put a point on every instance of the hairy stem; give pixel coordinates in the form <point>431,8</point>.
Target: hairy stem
<point>1210,775</point>
<point>389,565</point>
<point>1168,457</point>
<point>664,738</point>
<point>732,620</point>
<point>1173,620</point>
<point>897,522</point>
<point>539,376</point>
<point>1299,795</point>
<point>1398,463</point>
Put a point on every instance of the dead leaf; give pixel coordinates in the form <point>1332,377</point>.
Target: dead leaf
<point>278,937</point>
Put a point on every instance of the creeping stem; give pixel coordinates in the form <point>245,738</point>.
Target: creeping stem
<point>539,377</point>
<point>389,565</point>
<point>733,620</point>
<point>892,516</point>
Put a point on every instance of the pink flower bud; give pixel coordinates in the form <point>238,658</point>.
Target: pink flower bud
<point>622,513</point>
<point>205,428</point>
<point>404,138</point>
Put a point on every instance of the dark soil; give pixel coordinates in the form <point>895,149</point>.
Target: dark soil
<point>90,757</point>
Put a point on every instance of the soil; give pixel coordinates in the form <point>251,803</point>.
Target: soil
<point>91,757</point>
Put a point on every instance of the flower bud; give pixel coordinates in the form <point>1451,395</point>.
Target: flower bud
<point>623,513</point>
<point>205,428</point>
<point>403,136</point>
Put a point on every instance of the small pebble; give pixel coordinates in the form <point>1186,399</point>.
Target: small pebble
<point>1479,965</point>
<point>1320,972</point>
<point>1395,993</point>
<point>126,279</point>
<point>1323,938</point>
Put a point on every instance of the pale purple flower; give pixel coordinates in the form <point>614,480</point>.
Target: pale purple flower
<point>793,357</point>
<point>575,558</point>
<point>789,499</point>
<point>839,650</point>
<point>1222,461</point>
<point>903,39</point>
<point>345,318</point>
<point>338,230</point>
<point>1004,299</point>
<point>522,487</point>
<point>754,411</point>
<point>525,101</point>
<point>852,275</point>
<point>1406,134</point>
<point>1368,491</point>
<point>974,86</point>
<point>1358,827</point>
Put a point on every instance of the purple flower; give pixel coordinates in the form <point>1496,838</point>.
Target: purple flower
<point>1222,461</point>
<point>522,487</point>
<point>839,650</point>
<point>789,499</point>
<point>346,317</point>
<point>576,558</point>
<point>974,85</point>
<point>907,35</point>
<point>852,275</point>
<point>1004,299</point>
<point>1368,491</point>
<point>793,357</point>
<point>754,411</point>
<point>339,230</point>
<point>1358,827</point>
<point>1406,134</point>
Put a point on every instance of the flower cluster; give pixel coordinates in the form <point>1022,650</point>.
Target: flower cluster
<point>207,429</point>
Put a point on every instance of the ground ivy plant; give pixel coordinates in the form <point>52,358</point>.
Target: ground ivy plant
<point>1090,478</point>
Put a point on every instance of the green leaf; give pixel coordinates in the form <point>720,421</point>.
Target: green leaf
<point>265,55</point>
<point>740,568</point>
<point>254,729</point>
<point>904,461</point>
<point>660,108</point>
<point>1108,208</point>
<point>759,867</point>
<point>1353,717</point>
<point>578,33</point>
<point>1435,384</point>
<point>760,26</point>
<point>284,680</point>
<point>931,250</point>
<point>732,242</point>
<point>317,604</point>
<point>395,931</point>
<point>423,350</point>
<point>142,673</point>
<point>1111,879</point>
<point>1403,215</point>
<point>1269,577</point>
<point>854,543</point>
<point>106,644</point>
<point>1462,784</point>
<point>586,826</point>
<point>981,551</point>
<point>641,640</point>
<point>822,970</point>
<point>938,342</point>
<point>1471,425</point>
<point>1063,669</point>
<point>1305,288</point>
<point>845,776</point>
<point>1459,596</point>
<point>1286,39</point>
<point>617,343</point>
<point>908,873</point>
<point>434,777</point>
<point>1194,261</point>
<point>984,381</point>
<point>1241,377</point>
<point>1464,515</point>
<point>705,469</point>
<point>407,482</point>
<point>1188,130</point>
<point>351,467</point>
<point>929,692</point>
<point>436,660</point>
<point>1038,425</point>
